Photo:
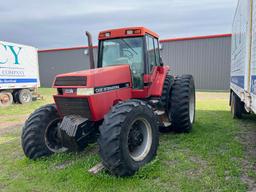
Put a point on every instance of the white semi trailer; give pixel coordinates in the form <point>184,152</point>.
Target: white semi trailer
<point>243,62</point>
<point>19,73</point>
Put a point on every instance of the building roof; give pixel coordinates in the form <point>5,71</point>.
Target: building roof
<point>161,41</point>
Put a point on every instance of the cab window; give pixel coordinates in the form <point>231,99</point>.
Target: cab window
<point>151,55</point>
<point>157,52</point>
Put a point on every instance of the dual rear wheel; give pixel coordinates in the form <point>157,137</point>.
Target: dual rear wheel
<point>21,96</point>
<point>178,101</point>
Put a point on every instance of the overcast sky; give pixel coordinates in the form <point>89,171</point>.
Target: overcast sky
<point>61,23</point>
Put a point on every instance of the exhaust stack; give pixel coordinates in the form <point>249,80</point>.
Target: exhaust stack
<point>90,49</point>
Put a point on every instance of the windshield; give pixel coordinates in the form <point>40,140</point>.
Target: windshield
<point>123,51</point>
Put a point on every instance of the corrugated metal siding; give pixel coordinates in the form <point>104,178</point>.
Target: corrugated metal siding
<point>56,62</point>
<point>208,60</point>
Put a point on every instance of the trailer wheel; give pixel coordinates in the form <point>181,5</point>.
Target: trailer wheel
<point>24,96</point>
<point>182,104</point>
<point>6,99</point>
<point>128,137</point>
<point>39,134</point>
<point>236,106</point>
<point>15,95</point>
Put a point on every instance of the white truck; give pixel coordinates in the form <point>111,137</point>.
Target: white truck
<point>243,61</point>
<point>19,73</point>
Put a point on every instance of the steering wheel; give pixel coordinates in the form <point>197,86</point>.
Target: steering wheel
<point>128,54</point>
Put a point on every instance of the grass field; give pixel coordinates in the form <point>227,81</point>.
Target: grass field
<point>218,155</point>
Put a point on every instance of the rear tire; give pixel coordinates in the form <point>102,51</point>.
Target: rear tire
<point>165,97</point>
<point>182,104</point>
<point>236,106</point>
<point>24,96</point>
<point>129,137</point>
<point>165,100</point>
<point>6,99</point>
<point>39,137</point>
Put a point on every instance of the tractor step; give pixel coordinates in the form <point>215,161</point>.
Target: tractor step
<point>159,113</point>
<point>154,101</point>
<point>167,124</point>
<point>97,168</point>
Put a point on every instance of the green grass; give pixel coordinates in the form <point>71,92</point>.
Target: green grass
<point>27,109</point>
<point>210,158</point>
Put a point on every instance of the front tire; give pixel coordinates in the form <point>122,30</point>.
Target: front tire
<point>129,137</point>
<point>182,104</point>
<point>39,134</point>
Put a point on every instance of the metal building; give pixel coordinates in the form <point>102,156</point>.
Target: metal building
<point>207,58</point>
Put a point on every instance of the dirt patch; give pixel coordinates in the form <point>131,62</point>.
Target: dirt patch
<point>10,123</point>
<point>212,95</point>
<point>10,129</point>
<point>247,137</point>
<point>9,120</point>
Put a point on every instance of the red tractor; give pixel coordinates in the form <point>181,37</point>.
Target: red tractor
<point>124,102</point>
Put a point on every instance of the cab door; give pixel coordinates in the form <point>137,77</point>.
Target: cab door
<point>156,71</point>
<point>152,58</point>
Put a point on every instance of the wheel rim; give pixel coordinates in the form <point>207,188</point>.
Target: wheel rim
<point>139,139</point>
<point>5,99</point>
<point>26,97</point>
<point>52,139</point>
<point>192,108</point>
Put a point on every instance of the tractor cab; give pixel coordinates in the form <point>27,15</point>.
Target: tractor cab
<point>135,46</point>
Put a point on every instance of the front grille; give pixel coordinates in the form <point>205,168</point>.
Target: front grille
<point>73,106</point>
<point>70,81</point>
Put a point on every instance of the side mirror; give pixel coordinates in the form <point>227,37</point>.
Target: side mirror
<point>161,62</point>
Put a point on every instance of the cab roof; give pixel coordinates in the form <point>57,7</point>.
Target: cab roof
<point>125,32</point>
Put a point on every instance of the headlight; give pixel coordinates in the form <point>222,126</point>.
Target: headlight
<point>85,91</point>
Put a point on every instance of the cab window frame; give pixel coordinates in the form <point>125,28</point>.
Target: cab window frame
<point>156,52</point>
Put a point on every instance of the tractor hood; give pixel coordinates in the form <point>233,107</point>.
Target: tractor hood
<point>95,78</point>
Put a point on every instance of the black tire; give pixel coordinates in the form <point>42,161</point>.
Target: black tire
<point>6,99</point>
<point>165,97</point>
<point>15,95</point>
<point>182,104</point>
<point>115,131</point>
<point>165,100</point>
<point>33,138</point>
<point>236,106</point>
<point>24,96</point>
